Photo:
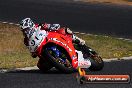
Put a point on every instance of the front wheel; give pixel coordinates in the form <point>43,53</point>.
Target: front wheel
<point>59,57</point>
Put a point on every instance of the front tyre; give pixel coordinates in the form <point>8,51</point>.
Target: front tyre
<point>44,65</point>
<point>59,57</point>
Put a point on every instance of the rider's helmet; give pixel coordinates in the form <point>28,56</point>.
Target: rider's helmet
<point>26,25</point>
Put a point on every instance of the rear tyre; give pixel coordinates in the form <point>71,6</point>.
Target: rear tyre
<point>96,61</point>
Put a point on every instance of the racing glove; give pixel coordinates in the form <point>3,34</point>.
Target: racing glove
<point>50,26</point>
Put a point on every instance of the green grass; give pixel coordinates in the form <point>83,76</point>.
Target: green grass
<point>119,2</point>
<point>16,60</point>
<point>108,47</point>
<point>14,54</point>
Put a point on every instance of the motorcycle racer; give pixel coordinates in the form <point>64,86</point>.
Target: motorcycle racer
<point>34,33</point>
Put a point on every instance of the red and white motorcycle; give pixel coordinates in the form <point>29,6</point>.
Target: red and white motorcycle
<point>58,50</point>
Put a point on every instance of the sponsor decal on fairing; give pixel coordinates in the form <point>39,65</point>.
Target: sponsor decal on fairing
<point>56,40</point>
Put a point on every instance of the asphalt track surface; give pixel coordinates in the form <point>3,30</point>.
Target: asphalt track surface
<point>88,18</point>
<point>56,79</point>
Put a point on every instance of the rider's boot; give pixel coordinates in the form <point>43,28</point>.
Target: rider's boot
<point>78,40</point>
<point>75,38</point>
<point>68,31</point>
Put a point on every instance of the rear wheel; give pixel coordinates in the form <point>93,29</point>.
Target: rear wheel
<point>59,58</point>
<point>96,61</point>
